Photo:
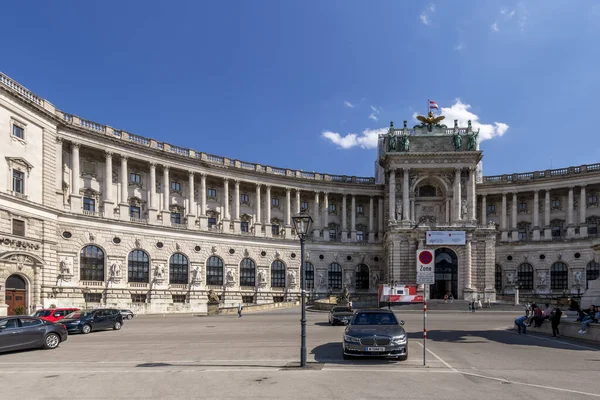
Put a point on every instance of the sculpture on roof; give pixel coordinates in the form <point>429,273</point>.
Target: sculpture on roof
<point>392,140</point>
<point>472,142</point>
<point>457,140</point>
<point>430,121</point>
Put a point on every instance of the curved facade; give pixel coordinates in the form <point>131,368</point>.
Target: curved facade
<point>92,215</point>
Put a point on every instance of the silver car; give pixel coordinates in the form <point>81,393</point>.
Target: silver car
<point>375,333</point>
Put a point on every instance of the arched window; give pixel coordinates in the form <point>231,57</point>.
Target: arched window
<point>138,267</point>
<point>559,276</point>
<point>427,191</point>
<point>362,277</point>
<point>498,277</point>
<point>525,276</point>
<point>247,272</point>
<point>91,264</point>
<point>334,276</point>
<point>277,274</point>
<point>592,272</point>
<point>178,269</point>
<point>309,275</point>
<point>15,282</point>
<point>214,271</point>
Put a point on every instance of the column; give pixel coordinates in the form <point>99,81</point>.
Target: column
<point>468,265</point>
<point>59,165</point>
<point>326,216</point>
<point>226,217</point>
<point>448,211</point>
<point>391,197</point>
<point>191,211</point>
<point>166,192</point>
<point>503,227</point>
<point>471,196</point>
<point>268,231</point>
<point>547,230</point>
<point>344,219</point>
<point>288,213</point>
<point>203,217</point>
<point>153,210</point>
<point>536,215</point>
<point>257,218</point>
<point>484,210</point>
<point>380,218</point>
<point>412,215</point>
<point>298,201</point>
<point>457,195</point>
<point>316,229</point>
<point>582,208</point>
<point>405,196</point>
<point>109,204</point>
<point>76,205</point>
<point>353,218</point>
<point>236,207</point>
<point>570,206</point>
<point>513,217</point>
<point>124,201</point>
<point>371,237</point>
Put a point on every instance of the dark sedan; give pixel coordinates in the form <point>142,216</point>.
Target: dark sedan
<point>340,315</point>
<point>23,332</point>
<point>85,321</point>
<point>375,333</point>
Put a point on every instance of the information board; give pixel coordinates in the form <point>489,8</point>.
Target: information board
<point>425,267</point>
<point>446,237</point>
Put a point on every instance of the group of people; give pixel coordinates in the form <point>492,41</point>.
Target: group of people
<point>586,317</point>
<point>535,316</point>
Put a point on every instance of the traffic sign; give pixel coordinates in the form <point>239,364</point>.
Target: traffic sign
<point>425,267</point>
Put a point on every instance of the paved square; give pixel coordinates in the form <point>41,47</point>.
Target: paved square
<point>180,357</point>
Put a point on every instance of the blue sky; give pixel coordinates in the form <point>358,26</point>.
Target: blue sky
<point>271,81</point>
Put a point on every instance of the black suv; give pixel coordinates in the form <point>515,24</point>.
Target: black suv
<point>84,321</point>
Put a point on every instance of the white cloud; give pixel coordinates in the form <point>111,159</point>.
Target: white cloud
<point>495,27</point>
<point>366,140</point>
<point>373,117</point>
<point>424,19</point>
<point>432,7</point>
<point>348,104</point>
<point>462,113</point>
<point>459,46</point>
<point>520,12</point>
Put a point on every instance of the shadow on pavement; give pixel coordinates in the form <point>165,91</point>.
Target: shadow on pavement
<point>331,353</point>
<point>507,336</point>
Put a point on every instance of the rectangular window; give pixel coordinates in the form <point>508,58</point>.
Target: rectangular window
<point>248,299</point>
<point>138,298</point>
<point>360,236</point>
<point>592,200</point>
<point>275,202</point>
<point>556,204</point>
<point>332,234</point>
<point>592,228</point>
<point>175,218</point>
<point>18,227</point>
<point>556,231</point>
<point>135,178</point>
<point>179,298</point>
<point>89,204</point>
<point>522,234</point>
<point>275,230</point>
<point>135,212</point>
<point>244,198</point>
<point>522,206</point>
<point>304,206</point>
<point>18,132</point>
<point>360,210</point>
<point>92,297</point>
<point>212,222</point>
<point>332,208</point>
<point>491,209</point>
<point>211,193</point>
<point>278,299</point>
<point>18,182</point>
<point>244,226</point>
<point>175,186</point>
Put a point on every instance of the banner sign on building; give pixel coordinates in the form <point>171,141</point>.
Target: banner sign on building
<point>425,267</point>
<point>446,237</point>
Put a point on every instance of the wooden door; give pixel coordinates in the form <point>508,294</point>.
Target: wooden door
<point>14,299</point>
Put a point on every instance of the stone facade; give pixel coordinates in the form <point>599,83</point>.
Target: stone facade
<point>91,215</point>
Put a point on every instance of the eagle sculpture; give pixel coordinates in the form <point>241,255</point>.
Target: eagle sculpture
<point>430,119</point>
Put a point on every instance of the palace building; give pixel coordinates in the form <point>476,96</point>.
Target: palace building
<point>95,216</point>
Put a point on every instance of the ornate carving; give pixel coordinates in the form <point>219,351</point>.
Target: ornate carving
<point>159,273</point>
<point>19,244</point>
<point>291,278</point>
<point>196,274</point>
<point>457,141</point>
<point>230,277</point>
<point>277,255</point>
<point>577,278</point>
<point>91,237</point>
<point>392,140</point>
<point>246,253</point>
<point>115,270</point>
<point>431,121</point>
<point>262,277</point>
<point>177,247</point>
<point>472,141</point>
<point>213,297</point>
<point>543,279</point>
<point>138,243</point>
<point>213,249</point>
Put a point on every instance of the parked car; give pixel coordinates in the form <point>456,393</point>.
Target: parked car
<point>25,332</point>
<point>375,333</point>
<point>127,314</point>
<point>340,315</point>
<point>85,321</point>
<point>54,314</point>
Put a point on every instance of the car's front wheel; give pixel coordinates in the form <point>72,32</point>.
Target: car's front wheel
<point>130,316</point>
<point>51,341</point>
<point>86,329</point>
<point>117,326</point>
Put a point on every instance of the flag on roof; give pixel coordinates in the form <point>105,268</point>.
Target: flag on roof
<point>432,105</point>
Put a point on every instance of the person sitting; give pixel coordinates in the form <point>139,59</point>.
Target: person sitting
<point>574,306</point>
<point>589,319</point>
<point>537,317</point>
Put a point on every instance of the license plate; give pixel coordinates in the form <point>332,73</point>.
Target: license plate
<point>375,348</point>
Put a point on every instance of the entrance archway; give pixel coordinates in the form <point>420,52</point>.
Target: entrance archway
<point>446,274</point>
<point>16,295</point>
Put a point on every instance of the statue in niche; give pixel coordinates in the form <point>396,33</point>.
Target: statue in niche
<point>230,277</point>
<point>321,279</point>
<point>543,278</point>
<point>262,277</point>
<point>457,140</point>
<point>472,142</point>
<point>392,139</point>
<point>115,269</point>
<point>577,277</point>
<point>404,142</point>
<point>66,266</point>
<point>463,209</point>
<point>398,209</point>
<point>159,272</point>
<point>292,278</point>
<point>196,274</point>
<point>510,280</point>
<point>375,279</point>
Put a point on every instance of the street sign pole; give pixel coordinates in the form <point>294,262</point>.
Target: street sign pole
<point>425,277</point>
<point>424,325</point>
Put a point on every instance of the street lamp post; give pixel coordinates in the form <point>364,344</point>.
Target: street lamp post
<point>302,224</point>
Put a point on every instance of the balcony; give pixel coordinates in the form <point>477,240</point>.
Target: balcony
<point>91,213</point>
<point>18,194</point>
<point>136,220</point>
<point>178,225</point>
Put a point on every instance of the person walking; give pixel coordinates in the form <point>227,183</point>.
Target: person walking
<point>240,310</point>
<point>521,326</point>
<point>555,317</point>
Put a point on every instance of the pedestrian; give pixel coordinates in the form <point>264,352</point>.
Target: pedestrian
<point>389,305</point>
<point>521,326</point>
<point>555,317</point>
<point>240,310</point>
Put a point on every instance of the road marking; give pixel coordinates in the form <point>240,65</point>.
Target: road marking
<point>439,358</point>
<point>539,336</point>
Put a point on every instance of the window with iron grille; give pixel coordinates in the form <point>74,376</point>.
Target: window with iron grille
<point>138,298</point>
<point>18,182</point>
<point>89,204</point>
<point>277,274</point>
<point>309,275</point>
<point>247,272</point>
<point>138,267</point>
<point>498,277</point>
<point>334,276</point>
<point>91,264</point>
<point>178,269</point>
<point>18,227</point>
<point>248,299</point>
<point>592,272</point>
<point>525,276</point>
<point>278,299</point>
<point>92,297</point>
<point>559,276</point>
<point>179,298</point>
<point>214,271</point>
<point>362,277</point>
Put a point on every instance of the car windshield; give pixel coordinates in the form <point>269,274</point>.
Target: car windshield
<point>42,313</point>
<point>78,314</point>
<point>365,318</point>
<point>341,309</point>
